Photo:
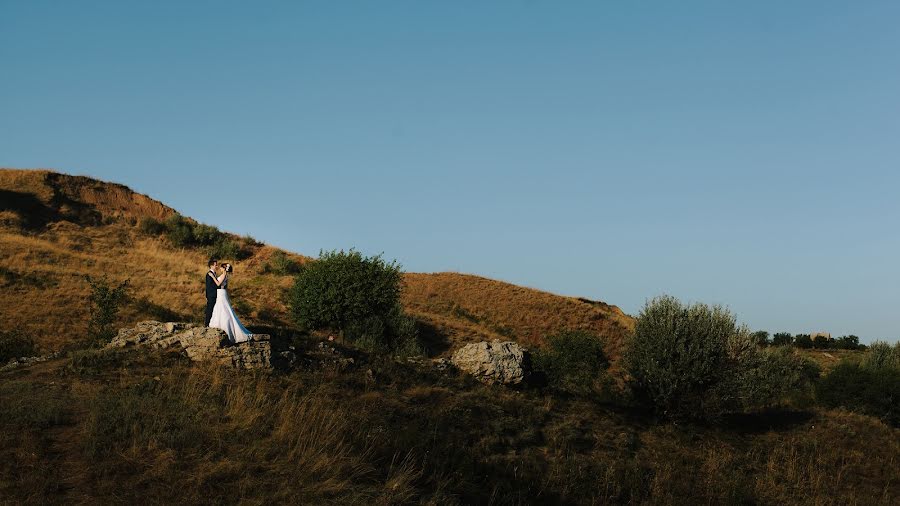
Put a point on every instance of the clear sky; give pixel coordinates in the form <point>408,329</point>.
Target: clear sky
<point>737,154</point>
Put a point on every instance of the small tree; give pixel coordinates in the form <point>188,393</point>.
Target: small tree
<point>850,342</point>
<point>782,339</point>
<point>105,300</point>
<point>803,341</point>
<point>761,337</point>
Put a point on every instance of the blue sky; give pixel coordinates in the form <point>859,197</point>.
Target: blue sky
<point>743,155</point>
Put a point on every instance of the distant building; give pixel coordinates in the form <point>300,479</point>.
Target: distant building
<point>814,335</point>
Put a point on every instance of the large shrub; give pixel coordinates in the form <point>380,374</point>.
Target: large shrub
<point>572,361</point>
<point>690,361</point>
<point>359,296</point>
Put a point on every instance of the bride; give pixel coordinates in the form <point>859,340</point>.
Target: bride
<point>223,316</point>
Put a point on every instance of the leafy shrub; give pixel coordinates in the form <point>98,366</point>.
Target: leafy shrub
<point>881,355</point>
<point>152,226</point>
<point>782,338</point>
<point>356,295</point>
<point>105,300</point>
<point>822,342</point>
<point>281,264</point>
<point>850,342</point>
<point>866,389</point>
<point>761,338</point>
<point>572,361</point>
<point>206,235</point>
<point>228,248</point>
<point>690,361</point>
<point>179,231</point>
<point>803,341</point>
<point>340,288</point>
<point>15,344</point>
<point>249,240</point>
<point>777,374</point>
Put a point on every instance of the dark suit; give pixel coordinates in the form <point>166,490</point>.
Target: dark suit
<point>211,288</point>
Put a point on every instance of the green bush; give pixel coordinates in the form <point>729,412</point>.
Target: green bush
<point>206,235</point>
<point>865,389</point>
<point>152,226</point>
<point>881,355</point>
<point>761,337</point>
<point>340,288</point>
<point>803,341</point>
<point>15,344</point>
<point>105,300</point>
<point>779,374</point>
<point>281,264</point>
<point>690,361</point>
<point>228,248</point>
<point>850,342</point>
<point>179,231</point>
<point>782,339</point>
<point>358,296</point>
<point>572,361</point>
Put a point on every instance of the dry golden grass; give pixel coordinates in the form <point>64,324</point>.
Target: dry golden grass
<point>91,230</point>
<point>140,425</point>
<point>474,307</point>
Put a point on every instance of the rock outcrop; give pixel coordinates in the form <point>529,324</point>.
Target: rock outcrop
<point>492,362</point>
<point>199,343</point>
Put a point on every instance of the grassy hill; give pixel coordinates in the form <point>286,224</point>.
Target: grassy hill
<point>133,425</point>
<point>54,228</point>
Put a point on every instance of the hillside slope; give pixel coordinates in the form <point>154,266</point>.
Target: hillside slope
<point>55,228</point>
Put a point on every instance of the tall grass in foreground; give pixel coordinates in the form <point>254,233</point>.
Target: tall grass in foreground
<point>224,435</point>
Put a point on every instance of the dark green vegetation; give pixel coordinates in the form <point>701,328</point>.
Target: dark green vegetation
<point>871,386</point>
<point>141,426</point>
<point>105,300</point>
<point>357,296</point>
<point>186,233</point>
<point>848,342</point>
<point>281,264</point>
<point>573,362</point>
<point>15,344</point>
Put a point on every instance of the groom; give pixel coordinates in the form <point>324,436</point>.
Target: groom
<point>212,285</point>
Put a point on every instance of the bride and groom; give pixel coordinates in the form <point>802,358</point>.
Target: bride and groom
<point>219,313</point>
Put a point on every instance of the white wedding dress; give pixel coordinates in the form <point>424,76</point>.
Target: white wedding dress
<point>223,317</point>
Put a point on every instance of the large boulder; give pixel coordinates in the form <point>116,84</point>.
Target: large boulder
<point>199,343</point>
<point>492,362</point>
